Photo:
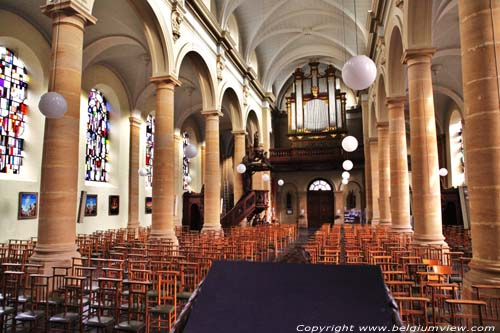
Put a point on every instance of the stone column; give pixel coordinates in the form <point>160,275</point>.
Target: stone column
<point>239,153</point>
<point>384,169</point>
<point>339,206</point>
<point>203,162</point>
<point>162,225</point>
<point>373,142</point>
<point>368,183</point>
<point>178,178</point>
<point>400,188</point>
<point>59,181</point>
<point>480,61</point>
<point>424,155</point>
<point>212,171</point>
<point>133,176</point>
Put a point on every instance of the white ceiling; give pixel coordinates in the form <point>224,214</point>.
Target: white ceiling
<point>286,34</point>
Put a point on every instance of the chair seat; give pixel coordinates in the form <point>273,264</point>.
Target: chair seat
<point>30,315</point>
<point>56,300</point>
<point>184,295</point>
<point>6,310</point>
<point>64,317</point>
<point>152,293</point>
<point>103,321</point>
<point>130,326</point>
<point>455,279</point>
<point>24,299</point>
<point>162,309</point>
<point>134,306</point>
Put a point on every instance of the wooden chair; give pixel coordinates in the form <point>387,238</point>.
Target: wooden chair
<point>466,312</point>
<point>107,306</point>
<point>163,315</point>
<point>38,307</point>
<point>74,305</point>
<point>491,295</point>
<point>9,302</point>
<point>439,293</point>
<point>136,307</point>
<point>413,310</point>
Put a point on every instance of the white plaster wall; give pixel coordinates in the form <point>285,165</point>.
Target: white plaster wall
<point>30,46</point>
<point>107,82</point>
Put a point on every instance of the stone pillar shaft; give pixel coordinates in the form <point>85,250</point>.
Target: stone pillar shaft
<point>133,176</point>
<point>374,180</point>
<point>400,188</point>
<point>368,183</point>
<point>212,171</point>
<point>424,154</point>
<point>239,153</point>
<point>162,225</point>
<point>384,169</point>
<point>59,181</point>
<point>480,69</point>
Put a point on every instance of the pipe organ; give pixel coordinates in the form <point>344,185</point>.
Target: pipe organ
<point>316,106</point>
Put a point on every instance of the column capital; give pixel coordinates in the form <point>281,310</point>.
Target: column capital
<point>382,125</point>
<point>134,121</point>
<point>165,80</point>
<point>396,100</point>
<point>214,112</point>
<point>239,132</point>
<point>69,8</point>
<point>413,56</point>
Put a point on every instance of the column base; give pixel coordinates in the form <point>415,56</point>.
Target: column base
<point>429,240</point>
<point>385,222</point>
<point>54,256</point>
<point>165,234</point>
<point>402,229</point>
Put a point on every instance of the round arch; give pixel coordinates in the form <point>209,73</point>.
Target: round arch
<point>205,76</point>
<point>230,105</point>
<point>395,69</point>
<point>418,24</point>
<point>320,202</point>
<point>253,126</point>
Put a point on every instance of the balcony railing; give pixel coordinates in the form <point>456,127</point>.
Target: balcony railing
<point>289,155</point>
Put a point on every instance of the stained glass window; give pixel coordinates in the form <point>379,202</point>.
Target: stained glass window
<point>185,163</point>
<point>97,149</point>
<point>13,110</point>
<point>320,185</point>
<point>150,146</point>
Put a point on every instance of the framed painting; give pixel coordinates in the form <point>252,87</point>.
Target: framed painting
<point>28,206</point>
<point>91,205</point>
<point>114,205</point>
<point>149,205</point>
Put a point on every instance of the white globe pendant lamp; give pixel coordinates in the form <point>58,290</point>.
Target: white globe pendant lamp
<point>345,181</point>
<point>143,172</point>
<point>443,172</point>
<point>359,72</point>
<point>347,165</point>
<point>190,151</point>
<point>53,105</point>
<point>241,168</point>
<point>350,143</point>
<point>281,182</point>
<point>346,175</point>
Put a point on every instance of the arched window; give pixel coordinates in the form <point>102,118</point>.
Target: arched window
<point>456,149</point>
<point>13,110</point>
<point>97,149</point>
<point>150,145</point>
<point>320,185</point>
<point>186,179</point>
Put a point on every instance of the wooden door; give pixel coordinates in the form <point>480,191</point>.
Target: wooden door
<point>319,208</point>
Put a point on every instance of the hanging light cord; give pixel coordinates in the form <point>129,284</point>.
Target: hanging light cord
<point>356,26</point>
<point>494,48</point>
<point>343,30</point>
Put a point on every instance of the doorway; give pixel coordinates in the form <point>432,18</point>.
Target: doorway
<point>319,203</point>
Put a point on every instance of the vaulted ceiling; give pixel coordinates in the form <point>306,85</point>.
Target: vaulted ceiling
<point>286,34</point>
